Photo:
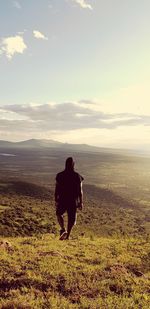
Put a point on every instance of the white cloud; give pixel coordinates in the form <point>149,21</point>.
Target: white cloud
<point>73,116</point>
<point>39,35</point>
<point>13,45</point>
<point>83,4</point>
<point>17,5</point>
<point>9,115</point>
<point>75,122</point>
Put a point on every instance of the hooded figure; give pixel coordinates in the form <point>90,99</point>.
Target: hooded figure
<point>68,196</point>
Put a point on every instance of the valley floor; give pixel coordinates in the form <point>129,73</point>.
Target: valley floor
<point>86,273</point>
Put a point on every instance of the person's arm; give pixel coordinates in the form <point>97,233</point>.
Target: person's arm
<point>56,193</point>
<point>80,196</point>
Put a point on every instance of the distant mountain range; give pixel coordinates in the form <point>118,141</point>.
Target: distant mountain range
<point>48,143</point>
<point>52,144</point>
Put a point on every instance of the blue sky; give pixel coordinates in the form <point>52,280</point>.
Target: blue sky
<point>78,61</point>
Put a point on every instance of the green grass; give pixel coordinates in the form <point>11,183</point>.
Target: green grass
<point>104,272</point>
<point>28,210</point>
<point>105,264</point>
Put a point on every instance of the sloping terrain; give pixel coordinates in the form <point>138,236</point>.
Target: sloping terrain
<point>105,264</point>
<point>28,209</point>
<point>43,272</point>
<point>23,188</point>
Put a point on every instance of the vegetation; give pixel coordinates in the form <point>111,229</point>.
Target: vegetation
<point>28,209</point>
<point>105,264</point>
<point>43,272</point>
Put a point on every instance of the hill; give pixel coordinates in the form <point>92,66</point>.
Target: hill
<point>22,188</point>
<point>84,273</point>
<point>31,143</point>
<point>105,264</point>
<point>52,144</point>
<point>28,209</point>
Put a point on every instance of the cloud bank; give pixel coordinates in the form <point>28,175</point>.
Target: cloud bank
<point>64,117</point>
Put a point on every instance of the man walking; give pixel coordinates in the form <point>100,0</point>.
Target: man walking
<point>68,196</point>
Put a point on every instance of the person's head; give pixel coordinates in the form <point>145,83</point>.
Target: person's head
<point>69,164</point>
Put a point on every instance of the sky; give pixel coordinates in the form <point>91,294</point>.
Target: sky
<point>76,71</point>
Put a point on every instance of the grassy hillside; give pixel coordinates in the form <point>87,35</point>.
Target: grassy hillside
<point>105,264</point>
<point>86,273</point>
<point>28,209</point>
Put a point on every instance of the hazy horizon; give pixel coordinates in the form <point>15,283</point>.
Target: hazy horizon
<point>76,71</point>
<point>143,151</point>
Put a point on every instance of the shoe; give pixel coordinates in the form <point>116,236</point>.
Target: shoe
<point>62,231</point>
<point>63,236</point>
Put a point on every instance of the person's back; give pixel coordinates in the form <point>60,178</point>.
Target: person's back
<point>68,186</point>
<point>68,196</point>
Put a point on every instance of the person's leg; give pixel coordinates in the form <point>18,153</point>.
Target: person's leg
<point>59,213</point>
<point>61,221</point>
<point>71,221</point>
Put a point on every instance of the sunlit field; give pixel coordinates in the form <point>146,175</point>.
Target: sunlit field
<point>105,264</point>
